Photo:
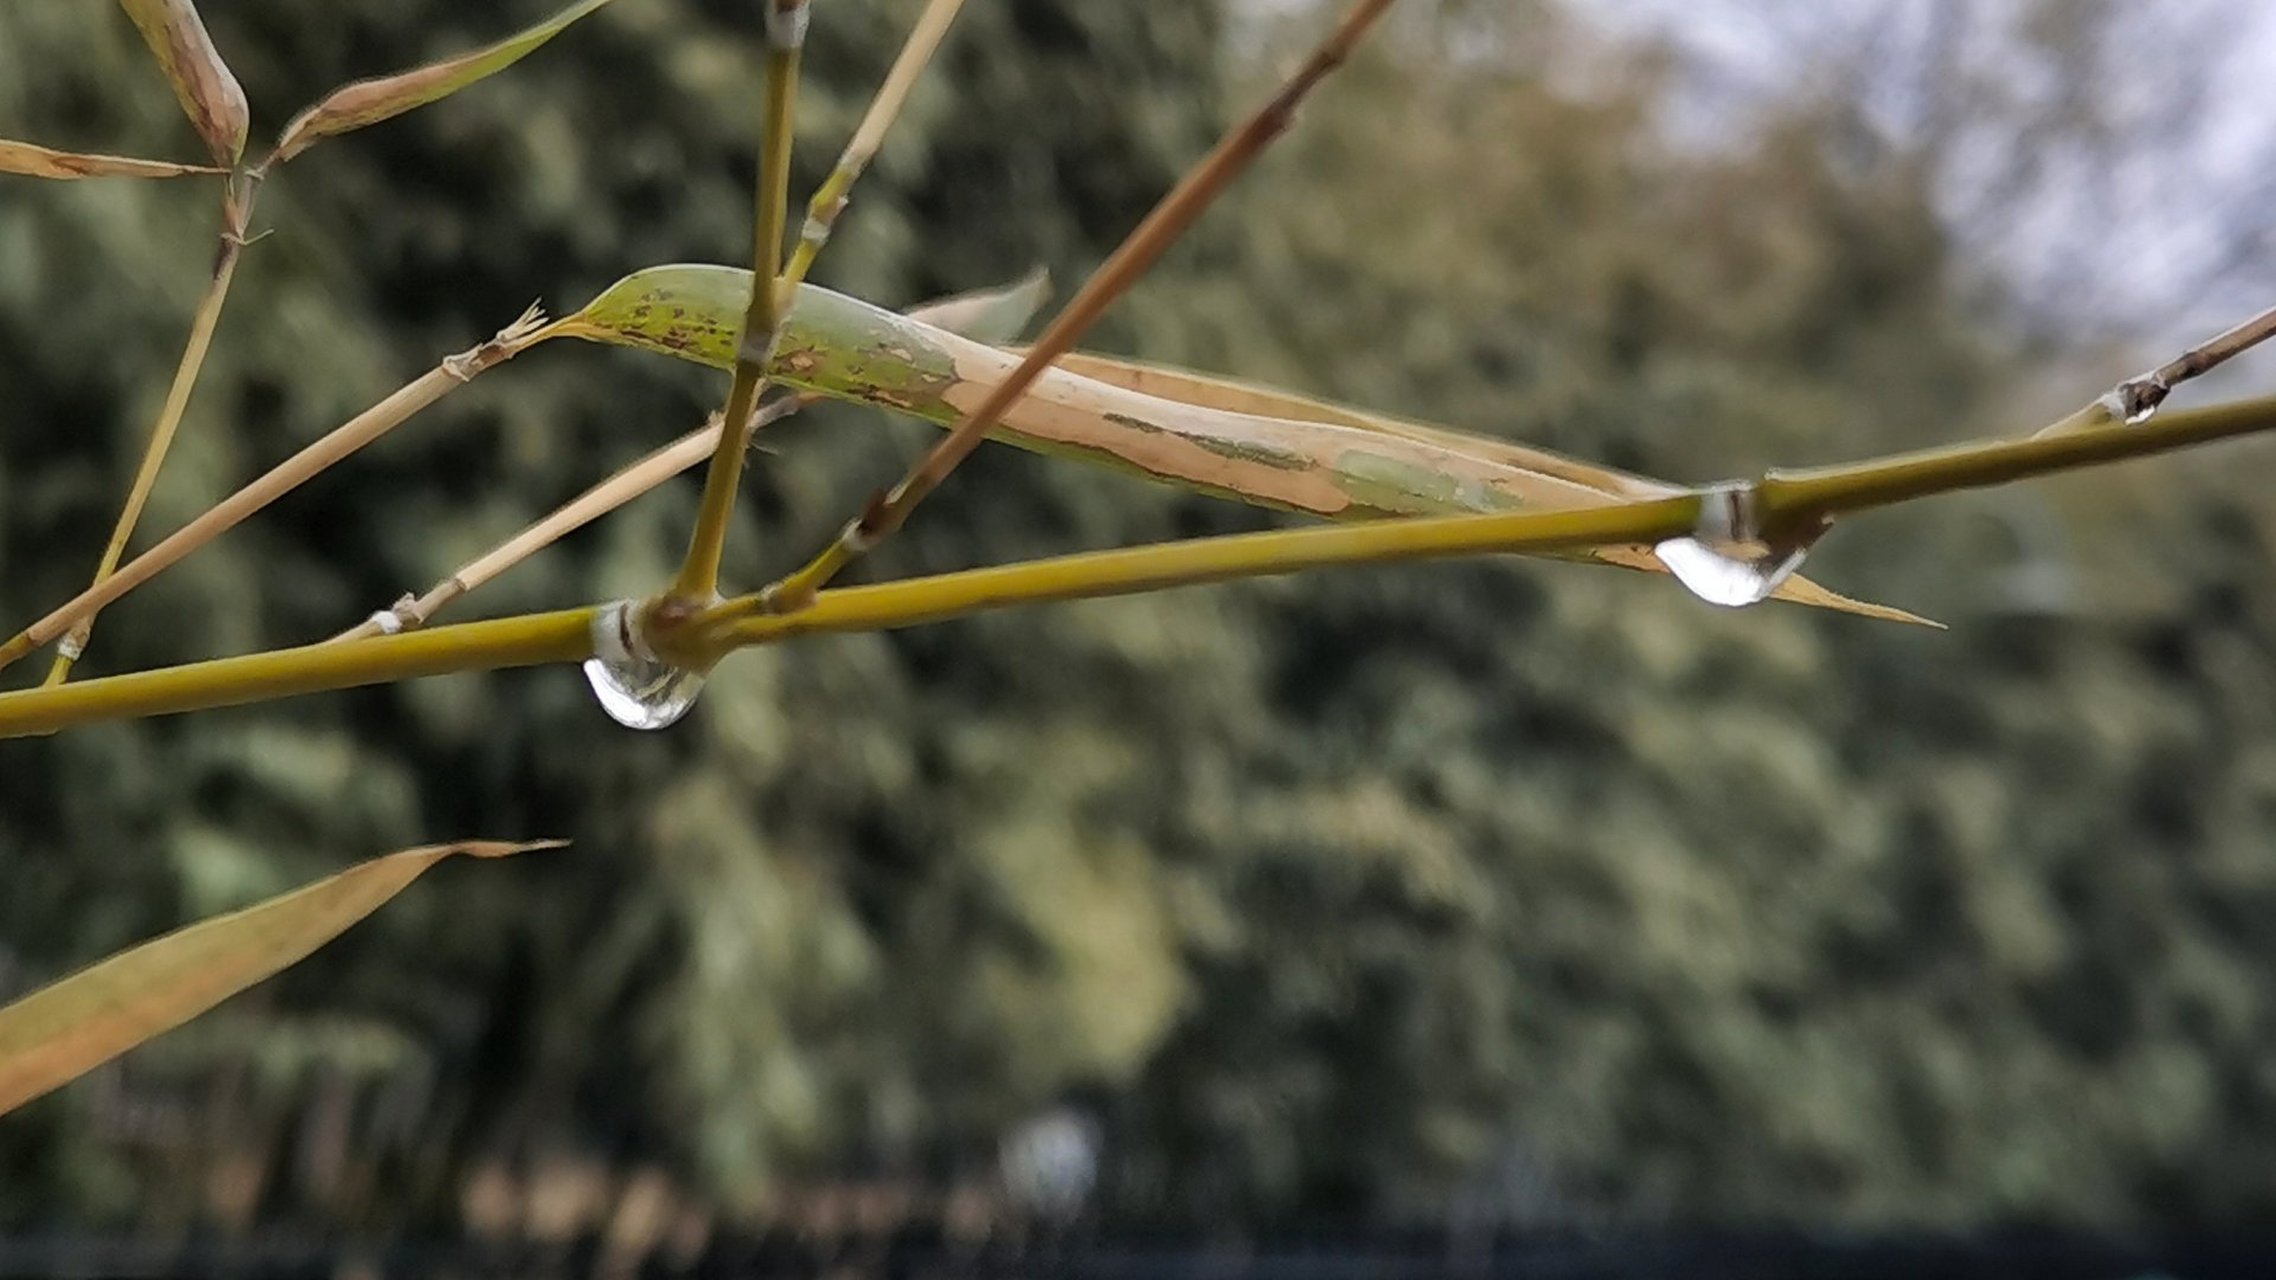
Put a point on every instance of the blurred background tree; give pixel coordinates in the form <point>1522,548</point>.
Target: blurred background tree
<point>1523,892</point>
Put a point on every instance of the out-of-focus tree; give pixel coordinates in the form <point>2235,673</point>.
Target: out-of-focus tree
<point>1542,891</point>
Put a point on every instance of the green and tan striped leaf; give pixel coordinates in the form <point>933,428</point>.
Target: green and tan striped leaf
<point>1297,455</point>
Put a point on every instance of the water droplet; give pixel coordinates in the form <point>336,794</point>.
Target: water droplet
<point>2134,403</point>
<point>1727,574</point>
<point>638,689</point>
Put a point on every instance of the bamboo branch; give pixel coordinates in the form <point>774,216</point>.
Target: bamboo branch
<point>412,612</point>
<point>830,198</point>
<point>227,682</point>
<point>279,480</point>
<point>887,512</point>
<point>1788,499</point>
<point>237,216</point>
<point>698,581</point>
<point>1780,500</point>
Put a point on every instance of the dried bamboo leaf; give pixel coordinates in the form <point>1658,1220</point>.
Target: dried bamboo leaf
<point>210,94</point>
<point>1188,387</point>
<point>69,1027</point>
<point>1320,459</point>
<point>35,161</point>
<point>364,102</point>
<point>992,316</point>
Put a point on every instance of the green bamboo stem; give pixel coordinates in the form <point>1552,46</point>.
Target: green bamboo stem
<point>1782,499</point>
<point>1787,499</point>
<point>748,620</point>
<point>698,581</point>
<point>226,682</point>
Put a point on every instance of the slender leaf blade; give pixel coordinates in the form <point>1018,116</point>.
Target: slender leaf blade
<point>1236,396</point>
<point>71,1026</point>
<point>34,161</point>
<point>209,92</point>
<point>365,102</point>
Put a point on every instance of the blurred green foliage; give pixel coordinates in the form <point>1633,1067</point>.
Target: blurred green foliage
<point>1535,890</point>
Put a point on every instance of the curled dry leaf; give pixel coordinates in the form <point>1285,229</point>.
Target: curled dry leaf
<point>363,102</point>
<point>68,1028</point>
<point>33,160</point>
<point>210,94</point>
<point>1229,439</point>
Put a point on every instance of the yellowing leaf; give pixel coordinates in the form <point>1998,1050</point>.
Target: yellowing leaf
<point>210,94</point>
<point>1245,397</point>
<point>1230,439</point>
<point>33,160</point>
<point>1188,387</point>
<point>68,1028</point>
<point>352,106</point>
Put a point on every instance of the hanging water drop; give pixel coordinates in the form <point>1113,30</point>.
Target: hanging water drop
<point>1725,561</point>
<point>635,687</point>
<point>2134,403</point>
<point>1727,574</point>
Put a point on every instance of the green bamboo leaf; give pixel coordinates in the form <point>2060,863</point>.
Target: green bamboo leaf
<point>1308,456</point>
<point>68,1028</point>
<point>364,102</point>
<point>210,94</point>
<point>33,160</point>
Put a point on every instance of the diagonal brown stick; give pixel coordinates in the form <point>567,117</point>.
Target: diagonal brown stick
<point>1178,210</point>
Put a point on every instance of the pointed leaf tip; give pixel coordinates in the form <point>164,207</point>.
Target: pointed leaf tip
<point>70,1027</point>
<point>364,102</point>
<point>35,161</point>
<point>210,94</point>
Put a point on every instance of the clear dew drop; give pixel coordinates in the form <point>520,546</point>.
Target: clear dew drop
<point>643,696</point>
<point>2134,403</point>
<point>637,689</point>
<point>1727,575</point>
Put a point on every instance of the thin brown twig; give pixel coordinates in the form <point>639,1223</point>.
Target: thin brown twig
<point>452,373</point>
<point>629,482</point>
<point>830,198</point>
<point>1177,211</point>
<point>239,192</point>
<point>2138,397</point>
